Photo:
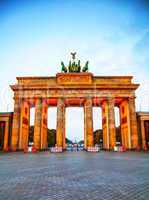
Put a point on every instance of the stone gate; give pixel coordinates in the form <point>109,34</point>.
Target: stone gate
<point>74,89</point>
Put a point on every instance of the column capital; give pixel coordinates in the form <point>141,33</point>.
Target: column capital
<point>44,100</point>
<point>88,101</point>
<point>111,100</point>
<point>108,100</point>
<point>61,98</point>
<point>38,102</point>
<point>89,97</point>
<point>60,102</point>
<point>18,99</point>
<point>132,98</point>
<point>27,100</point>
<point>38,99</point>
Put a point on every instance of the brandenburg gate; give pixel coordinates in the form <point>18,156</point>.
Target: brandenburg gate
<point>74,87</point>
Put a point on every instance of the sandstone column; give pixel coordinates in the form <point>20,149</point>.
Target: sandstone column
<point>85,129</point>
<point>105,125</point>
<point>112,129</point>
<point>37,124</point>
<point>60,131</point>
<point>24,125</point>
<point>6,136</point>
<point>125,124</point>
<point>44,143</point>
<point>133,122</point>
<point>108,124</point>
<point>88,123</point>
<point>64,132</point>
<point>143,135</point>
<point>15,125</point>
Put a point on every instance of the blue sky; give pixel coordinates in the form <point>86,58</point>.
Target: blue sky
<point>36,35</point>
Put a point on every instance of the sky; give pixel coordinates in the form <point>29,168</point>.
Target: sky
<point>36,35</point>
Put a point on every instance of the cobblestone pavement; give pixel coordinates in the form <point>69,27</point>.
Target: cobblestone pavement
<point>74,175</point>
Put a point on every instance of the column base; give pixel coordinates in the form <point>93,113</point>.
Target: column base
<point>56,149</point>
<point>13,149</point>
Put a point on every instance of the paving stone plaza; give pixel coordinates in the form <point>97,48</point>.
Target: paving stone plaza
<point>74,175</point>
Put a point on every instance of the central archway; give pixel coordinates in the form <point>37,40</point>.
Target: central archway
<point>74,115</point>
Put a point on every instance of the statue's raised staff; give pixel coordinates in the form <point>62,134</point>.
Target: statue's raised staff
<point>73,55</point>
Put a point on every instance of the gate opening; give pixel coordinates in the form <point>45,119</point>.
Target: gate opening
<point>31,127</point>
<point>117,126</point>
<point>74,128</point>
<point>97,127</point>
<point>51,126</point>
